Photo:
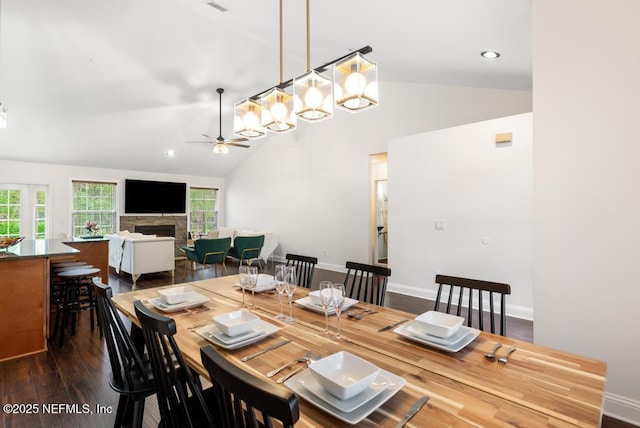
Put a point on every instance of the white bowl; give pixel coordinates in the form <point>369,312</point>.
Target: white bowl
<point>438,324</point>
<point>176,295</point>
<point>314,296</point>
<point>235,323</point>
<point>343,374</point>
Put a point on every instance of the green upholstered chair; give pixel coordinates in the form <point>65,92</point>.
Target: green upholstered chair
<point>247,248</point>
<point>208,252</point>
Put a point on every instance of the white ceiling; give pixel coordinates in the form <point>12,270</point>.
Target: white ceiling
<point>117,83</point>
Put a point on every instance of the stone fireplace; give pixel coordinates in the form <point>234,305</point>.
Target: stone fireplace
<point>166,225</point>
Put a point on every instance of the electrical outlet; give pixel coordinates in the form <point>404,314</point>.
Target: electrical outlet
<point>440,224</point>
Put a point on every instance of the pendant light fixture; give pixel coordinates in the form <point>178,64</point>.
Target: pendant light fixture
<point>313,92</point>
<point>3,109</point>
<point>247,119</point>
<point>277,105</point>
<point>355,83</point>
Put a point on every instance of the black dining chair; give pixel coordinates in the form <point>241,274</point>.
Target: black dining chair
<point>305,266</point>
<point>181,399</point>
<point>240,395</point>
<point>131,375</point>
<point>366,283</point>
<point>465,289</point>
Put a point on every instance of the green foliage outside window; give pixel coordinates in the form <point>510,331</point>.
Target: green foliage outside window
<point>10,213</point>
<point>93,202</point>
<point>203,216</point>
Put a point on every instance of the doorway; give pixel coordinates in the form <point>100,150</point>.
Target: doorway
<point>379,197</point>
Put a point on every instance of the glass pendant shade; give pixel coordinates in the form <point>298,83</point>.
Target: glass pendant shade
<point>247,119</point>
<point>277,111</point>
<point>313,96</point>
<point>220,149</point>
<point>355,81</point>
<point>3,116</point>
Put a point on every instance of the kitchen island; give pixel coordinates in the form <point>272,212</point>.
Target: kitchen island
<point>24,306</point>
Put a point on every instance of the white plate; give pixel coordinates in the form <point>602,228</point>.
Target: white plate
<point>259,289</point>
<point>298,385</point>
<point>212,334</point>
<point>377,387</point>
<point>448,341</point>
<point>472,333</point>
<point>196,300</point>
<point>307,303</point>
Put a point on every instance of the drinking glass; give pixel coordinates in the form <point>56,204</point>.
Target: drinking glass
<point>326,291</point>
<point>252,282</point>
<point>290,289</point>
<point>338,297</point>
<point>244,281</point>
<point>280,285</point>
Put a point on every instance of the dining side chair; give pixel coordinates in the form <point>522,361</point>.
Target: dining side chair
<point>181,399</point>
<point>130,372</point>
<point>465,289</point>
<point>305,266</point>
<point>247,248</point>
<point>241,395</point>
<point>206,252</point>
<point>366,283</point>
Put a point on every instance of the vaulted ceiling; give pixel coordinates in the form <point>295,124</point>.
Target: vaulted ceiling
<point>117,83</point>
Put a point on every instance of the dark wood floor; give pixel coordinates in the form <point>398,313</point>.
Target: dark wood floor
<point>66,384</point>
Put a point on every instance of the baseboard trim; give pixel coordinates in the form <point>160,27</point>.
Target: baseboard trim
<point>515,311</point>
<point>622,408</point>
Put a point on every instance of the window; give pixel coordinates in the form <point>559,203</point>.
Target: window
<point>203,216</point>
<point>10,212</point>
<point>40,226</point>
<point>23,211</point>
<point>93,202</point>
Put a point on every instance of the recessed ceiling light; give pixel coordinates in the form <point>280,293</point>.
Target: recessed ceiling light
<point>170,153</point>
<point>490,54</point>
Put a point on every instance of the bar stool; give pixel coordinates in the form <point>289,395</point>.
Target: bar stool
<point>77,296</point>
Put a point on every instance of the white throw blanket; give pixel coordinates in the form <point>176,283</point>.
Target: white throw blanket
<point>116,251</point>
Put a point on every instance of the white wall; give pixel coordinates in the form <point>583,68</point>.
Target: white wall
<point>58,179</point>
<point>586,164</point>
<point>483,192</point>
<point>312,186</point>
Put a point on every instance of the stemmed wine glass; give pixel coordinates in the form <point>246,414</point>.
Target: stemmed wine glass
<point>326,291</point>
<point>244,281</point>
<point>279,278</point>
<point>290,289</point>
<point>252,282</point>
<point>338,298</point>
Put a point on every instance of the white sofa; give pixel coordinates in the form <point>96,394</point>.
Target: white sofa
<point>270,239</point>
<point>137,254</point>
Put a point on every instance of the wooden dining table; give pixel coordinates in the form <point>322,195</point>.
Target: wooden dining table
<point>539,386</point>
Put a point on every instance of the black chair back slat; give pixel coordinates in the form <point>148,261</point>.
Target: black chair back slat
<point>466,287</point>
<point>367,283</point>
<point>180,397</point>
<point>131,373</point>
<point>305,267</point>
<point>240,395</point>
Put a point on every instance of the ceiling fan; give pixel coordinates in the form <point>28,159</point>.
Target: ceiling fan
<point>221,144</point>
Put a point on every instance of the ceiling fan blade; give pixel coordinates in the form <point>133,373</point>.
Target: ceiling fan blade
<point>229,143</point>
<point>206,136</point>
<point>237,140</point>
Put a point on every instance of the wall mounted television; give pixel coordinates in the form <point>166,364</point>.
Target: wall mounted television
<point>154,197</point>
